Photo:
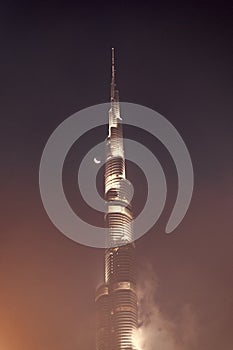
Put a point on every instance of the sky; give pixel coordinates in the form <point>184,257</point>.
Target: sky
<point>173,57</point>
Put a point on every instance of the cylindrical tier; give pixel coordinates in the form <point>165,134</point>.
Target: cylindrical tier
<point>103,318</point>
<point>123,318</point>
<point>120,264</point>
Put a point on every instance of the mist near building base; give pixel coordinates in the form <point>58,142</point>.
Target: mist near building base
<point>156,330</point>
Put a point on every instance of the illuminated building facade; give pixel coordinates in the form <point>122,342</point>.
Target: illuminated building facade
<point>116,299</point>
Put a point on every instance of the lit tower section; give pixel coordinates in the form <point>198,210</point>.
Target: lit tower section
<point>116,299</point>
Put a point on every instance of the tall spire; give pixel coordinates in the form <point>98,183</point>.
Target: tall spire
<point>116,298</point>
<point>113,84</point>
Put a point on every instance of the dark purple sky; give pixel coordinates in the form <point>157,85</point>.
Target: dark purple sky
<point>174,57</point>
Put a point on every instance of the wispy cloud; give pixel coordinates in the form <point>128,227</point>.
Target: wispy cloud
<point>156,331</point>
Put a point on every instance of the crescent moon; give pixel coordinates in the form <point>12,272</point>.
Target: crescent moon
<point>96,161</point>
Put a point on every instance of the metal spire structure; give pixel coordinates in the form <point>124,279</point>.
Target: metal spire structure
<point>116,299</point>
<point>113,85</point>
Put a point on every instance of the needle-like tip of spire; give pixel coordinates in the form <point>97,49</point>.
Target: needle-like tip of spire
<point>113,75</point>
<point>113,63</point>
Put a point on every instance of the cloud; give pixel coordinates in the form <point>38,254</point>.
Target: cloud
<point>156,331</point>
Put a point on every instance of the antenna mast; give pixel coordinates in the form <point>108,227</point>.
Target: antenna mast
<point>113,84</point>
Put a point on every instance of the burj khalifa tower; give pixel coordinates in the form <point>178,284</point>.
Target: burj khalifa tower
<point>116,298</point>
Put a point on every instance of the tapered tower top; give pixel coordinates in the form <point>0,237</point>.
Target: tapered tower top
<point>113,84</point>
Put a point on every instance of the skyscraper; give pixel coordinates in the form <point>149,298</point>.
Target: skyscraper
<point>116,299</point>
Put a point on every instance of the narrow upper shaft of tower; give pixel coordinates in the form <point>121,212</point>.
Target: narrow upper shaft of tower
<point>113,84</point>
